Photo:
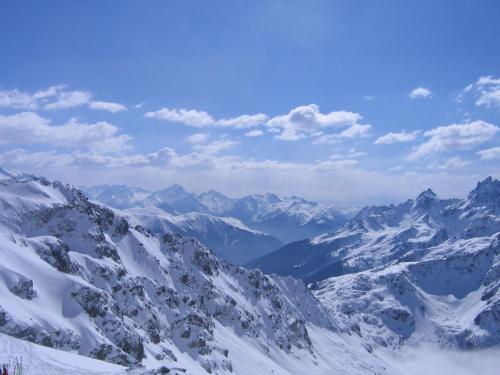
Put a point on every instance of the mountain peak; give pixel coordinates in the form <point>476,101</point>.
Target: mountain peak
<point>427,194</point>
<point>487,190</point>
<point>175,188</point>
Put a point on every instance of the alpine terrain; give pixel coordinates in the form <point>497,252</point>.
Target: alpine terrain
<point>238,230</point>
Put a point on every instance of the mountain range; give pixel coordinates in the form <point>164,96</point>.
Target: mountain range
<point>427,269</point>
<point>238,230</point>
<point>392,283</point>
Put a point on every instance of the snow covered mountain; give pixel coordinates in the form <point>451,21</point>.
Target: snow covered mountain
<point>227,237</point>
<point>288,219</point>
<point>173,210</point>
<point>425,270</point>
<point>118,196</point>
<point>79,277</point>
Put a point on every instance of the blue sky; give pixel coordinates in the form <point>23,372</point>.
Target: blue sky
<point>293,97</point>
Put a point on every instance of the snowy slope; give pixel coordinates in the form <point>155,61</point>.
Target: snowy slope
<point>37,359</point>
<point>78,277</point>
<point>118,196</point>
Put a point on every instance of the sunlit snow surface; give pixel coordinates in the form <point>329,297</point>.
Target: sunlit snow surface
<point>37,359</point>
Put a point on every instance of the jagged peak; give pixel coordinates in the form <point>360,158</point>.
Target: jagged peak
<point>487,189</point>
<point>427,194</point>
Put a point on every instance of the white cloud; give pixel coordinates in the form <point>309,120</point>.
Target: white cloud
<point>30,128</point>
<point>299,123</point>
<point>490,153</point>
<point>190,117</point>
<point>54,98</point>
<point>454,137</point>
<point>254,133</point>
<point>452,163</point>
<point>199,119</point>
<point>69,99</point>
<point>307,119</point>
<point>290,135</point>
<point>18,100</point>
<point>243,121</point>
<point>420,93</point>
<point>486,90</point>
<point>489,98</point>
<point>355,131</point>
<point>369,97</point>
<point>402,136</point>
<point>107,106</point>
<point>197,138</point>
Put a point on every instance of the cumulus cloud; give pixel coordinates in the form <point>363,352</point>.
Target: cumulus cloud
<point>30,128</point>
<point>308,120</point>
<point>300,122</point>
<point>199,119</point>
<point>197,138</point>
<point>107,106</point>
<point>490,153</point>
<point>54,98</point>
<point>402,136</point>
<point>420,93</point>
<point>254,133</point>
<point>454,137</point>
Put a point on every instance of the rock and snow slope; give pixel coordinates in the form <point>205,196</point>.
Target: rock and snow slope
<point>79,277</point>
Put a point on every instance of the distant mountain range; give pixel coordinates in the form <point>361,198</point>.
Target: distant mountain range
<point>238,230</point>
